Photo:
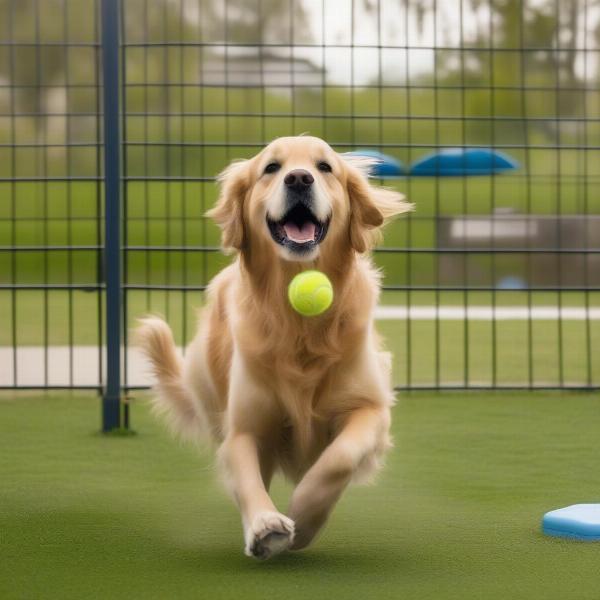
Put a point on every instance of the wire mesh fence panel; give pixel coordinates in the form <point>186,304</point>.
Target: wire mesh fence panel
<point>51,315</point>
<point>489,112</point>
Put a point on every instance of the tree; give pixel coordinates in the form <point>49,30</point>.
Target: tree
<point>27,22</point>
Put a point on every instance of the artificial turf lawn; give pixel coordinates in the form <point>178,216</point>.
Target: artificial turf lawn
<point>455,514</point>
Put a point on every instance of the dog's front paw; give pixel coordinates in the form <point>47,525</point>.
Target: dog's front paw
<point>268,534</point>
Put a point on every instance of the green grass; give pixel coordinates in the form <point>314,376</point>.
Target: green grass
<point>455,514</point>
<point>470,356</point>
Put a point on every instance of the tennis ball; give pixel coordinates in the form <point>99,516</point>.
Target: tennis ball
<point>310,293</point>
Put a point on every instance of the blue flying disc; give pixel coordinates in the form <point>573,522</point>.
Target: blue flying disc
<point>463,162</point>
<point>579,522</point>
<point>384,166</point>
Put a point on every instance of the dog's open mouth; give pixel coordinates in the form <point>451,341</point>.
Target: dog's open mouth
<point>299,230</point>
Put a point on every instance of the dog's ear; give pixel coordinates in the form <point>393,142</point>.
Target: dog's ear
<point>370,206</point>
<point>228,212</point>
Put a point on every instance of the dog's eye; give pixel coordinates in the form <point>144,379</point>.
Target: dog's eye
<point>272,167</point>
<point>323,166</point>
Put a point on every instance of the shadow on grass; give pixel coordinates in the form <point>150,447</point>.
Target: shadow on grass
<point>91,546</point>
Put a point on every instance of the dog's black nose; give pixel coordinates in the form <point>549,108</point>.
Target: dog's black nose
<point>299,180</point>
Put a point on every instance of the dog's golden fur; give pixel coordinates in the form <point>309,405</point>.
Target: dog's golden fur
<point>275,390</point>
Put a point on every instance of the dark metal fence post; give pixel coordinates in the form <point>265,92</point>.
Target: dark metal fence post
<point>112,183</point>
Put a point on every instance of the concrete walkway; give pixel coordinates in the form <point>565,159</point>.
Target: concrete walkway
<point>64,366</point>
<point>486,313</point>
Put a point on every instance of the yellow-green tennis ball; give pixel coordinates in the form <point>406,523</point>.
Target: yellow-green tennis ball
<point>310,293</point>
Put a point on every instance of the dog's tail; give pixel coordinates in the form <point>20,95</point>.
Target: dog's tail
<point>173,400</point>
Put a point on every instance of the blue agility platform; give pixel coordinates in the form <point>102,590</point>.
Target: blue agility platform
<point>385,165</point>
<point>578,521</point>
<point>457,162</point>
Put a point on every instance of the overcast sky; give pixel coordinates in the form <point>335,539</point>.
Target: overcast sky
<point>331,22</point>
<point>392,27</point>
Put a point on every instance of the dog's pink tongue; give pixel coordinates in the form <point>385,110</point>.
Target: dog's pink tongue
<point>301,234</point>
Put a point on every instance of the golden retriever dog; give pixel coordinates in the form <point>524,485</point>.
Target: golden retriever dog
<point>307,396</point>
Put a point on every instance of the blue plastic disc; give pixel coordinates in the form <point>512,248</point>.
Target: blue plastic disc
<point>579,522</point>
<point>384,166</point>
<point>463,162</point>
